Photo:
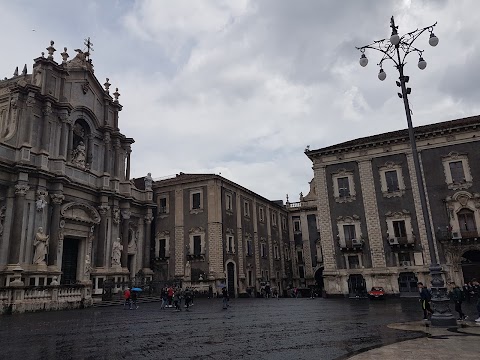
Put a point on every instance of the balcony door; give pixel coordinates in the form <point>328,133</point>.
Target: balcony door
<point>466,221</point>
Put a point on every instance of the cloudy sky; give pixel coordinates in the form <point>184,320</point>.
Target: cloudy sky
<point>241,87</point>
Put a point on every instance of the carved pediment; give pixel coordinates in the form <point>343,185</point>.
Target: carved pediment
<point>196,230</point>
<point>162,234</point>
<point>80,212</point>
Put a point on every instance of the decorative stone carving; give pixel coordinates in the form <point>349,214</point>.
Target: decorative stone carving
<point>64,55</point>
<point>116,215</point>
<point>126,214</point>
<point>30,100</point>
<point>148,219</point>
<point>41,201</point>
<point>117,249</point>
<point>80,212</point>
<point>196,230</point>
<point>57,199</point>
<point>88,266</point>
<point>47,109</point>
<point>21,190</point>
<point>162,234</point>
<point>50,50</point>
<point>41,245</point>
<point>79,155</point>
<point>103,209</point>
<point>3,210</point>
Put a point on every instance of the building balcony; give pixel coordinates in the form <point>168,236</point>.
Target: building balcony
<point>448,234</point>
<point>402,241</point>
<point>351,244</point>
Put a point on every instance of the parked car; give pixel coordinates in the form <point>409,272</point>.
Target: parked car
<point>376,293</point>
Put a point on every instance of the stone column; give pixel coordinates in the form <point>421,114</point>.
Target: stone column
<point>57,200</point>
<point>127,175</point>
<point>30,102</point>
<point>372,219</point>
<point>17,225</point>
<point>70,142</point>
<point>63,138</point>
<point>269,240</point>
<point>327,237</point>
<point>307,253</point>
<point>47,110</point>
<point>215,235</point>
<point>256,244</point>
<point>179,237</point>
<point>106,153</point>
<point>240,245</point>
<point>102,236</point>
<point>125,229</point>
<point>89,145</point>
<point>147,240</point>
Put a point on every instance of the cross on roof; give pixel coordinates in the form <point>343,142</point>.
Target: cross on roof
<point>89,46</point>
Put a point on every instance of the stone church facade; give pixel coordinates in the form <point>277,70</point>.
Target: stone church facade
<point>371,227</point>
<point>69,214</point>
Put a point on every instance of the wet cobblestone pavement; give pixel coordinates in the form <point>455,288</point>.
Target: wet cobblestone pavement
<point>249,329</point>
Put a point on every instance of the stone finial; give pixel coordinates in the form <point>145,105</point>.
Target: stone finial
<point>116,94</point>
<point>43,54</point>
<point>64,55</point>
<point>51,50</point>
<point>24,71</point>
<point>15,73</point>
<point>287,198</point>
<point>107,85</point>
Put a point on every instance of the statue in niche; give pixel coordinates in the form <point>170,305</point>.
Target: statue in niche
<point>79,155</point>
<point>148,181</point>
<point>41,245</point>
<point>117,248</point>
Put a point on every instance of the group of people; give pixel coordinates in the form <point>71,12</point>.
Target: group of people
<point>457,294</point>
<point>173,297</point>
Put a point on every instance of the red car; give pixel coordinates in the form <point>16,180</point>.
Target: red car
<point>376,293</point>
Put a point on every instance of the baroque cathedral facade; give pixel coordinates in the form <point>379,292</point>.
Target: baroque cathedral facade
<point>70,215</point>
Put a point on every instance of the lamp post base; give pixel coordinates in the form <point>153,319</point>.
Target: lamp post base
<point>442,315</point>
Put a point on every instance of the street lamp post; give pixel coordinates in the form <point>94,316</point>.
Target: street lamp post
<point>396,49</point>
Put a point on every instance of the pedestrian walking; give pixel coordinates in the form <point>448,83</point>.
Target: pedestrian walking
<point>164,297</point>
<point>169,296</point>
<point>126,298</point>
<point>210,292</point>
<point>476,296</point>
<point>133,300</point>
<point>188,298</point>
<point>425,298</point>
<point>225,298</point>
<point>177,300</point>
<point>458,296</point>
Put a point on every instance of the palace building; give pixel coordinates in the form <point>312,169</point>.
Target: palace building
<point>210,231</point>
<point>372,231</point>
<point>70,217</point>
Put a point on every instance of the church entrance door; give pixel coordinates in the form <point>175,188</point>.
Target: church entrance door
<point>69,261</point>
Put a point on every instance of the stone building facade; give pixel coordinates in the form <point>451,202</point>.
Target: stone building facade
<point>212,232</point>
<point>372,231</point>
<point>304,237</point>
<point>69,214</point>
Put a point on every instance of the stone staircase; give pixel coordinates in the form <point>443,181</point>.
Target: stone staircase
<point>118,301</point>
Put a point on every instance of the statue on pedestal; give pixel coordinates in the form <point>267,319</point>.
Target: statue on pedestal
<point>148,181</point>
<point>117,248</point>
<point>41,245</point>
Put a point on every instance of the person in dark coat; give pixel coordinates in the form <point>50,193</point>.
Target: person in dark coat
<point>225,298</point>
<point>458,296</point>
<point>425,298</point>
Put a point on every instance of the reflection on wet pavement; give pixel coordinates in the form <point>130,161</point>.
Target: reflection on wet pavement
<point>249,329</point>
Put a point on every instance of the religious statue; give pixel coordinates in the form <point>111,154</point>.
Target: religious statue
<point>41,202</point>
<point>117,248</point>
<point>148,181</point>
<point>41,245</point>
<point>79,155</point>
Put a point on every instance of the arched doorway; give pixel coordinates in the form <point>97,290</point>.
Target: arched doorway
<point>231,279</point>
<point>407,284</point>
<point>357,286</point>
<point>471,265</point>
